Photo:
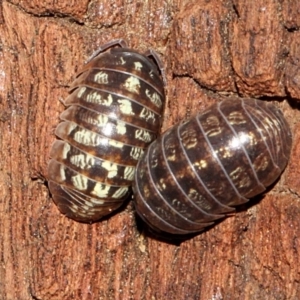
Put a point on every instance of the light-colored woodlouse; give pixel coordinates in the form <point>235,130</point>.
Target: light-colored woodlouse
<point>113,113</point>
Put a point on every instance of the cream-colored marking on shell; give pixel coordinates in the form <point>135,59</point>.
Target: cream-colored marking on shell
<point>225,152</point>
<point>192,193</point>
<point>171,157</point>
<point>100,121</point>
<point>245,181</point>
<point>97,201</point>
<point>80,182</point>
<point>121,127</point>
<point>235,173</point>
<point>153,161</point>
<point>74,208</point>
<point>212,120</point>
<point>162,184</point>
<point>269,122</point>
<point>252,140</point>
<point>122,60</point>
<point>146,191</point>
<point>65,150</point>
<point>214,124</point>
<point>261,162</point>
<point>70,126</point>
<point>125,107</point>
<point>87,204</point>
<point>119,193</point>
<point>86,207</point>
<point>147,114</point>
<point>154,98</point>
<point>132,84</point>
<point>142,135</point>
<point>138,66</point>
<point>178,205</point>
<point>236,118</point>
<point>111,168</point>
<point>62,174</point>
<point>151,74</point>
<point>82,161</point>
<point>129,173</point>
<point>189,138</point>
<point>170,152</point>
<point>276,124</point>
<point>136,153</point>
<point>163,213</point>
<point>95,97</point>
<point>101,77</point>
<point>202,164</point>
<point>199,199</point>
<point>89,213</point>
<point>81,91</point>
<point>214,131</point>
<point>115,144</point>
<point>87,138</point>
<point>101,190</point>
<point>174,202</point>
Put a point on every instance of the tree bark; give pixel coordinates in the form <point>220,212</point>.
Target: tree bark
<point>210,49</point>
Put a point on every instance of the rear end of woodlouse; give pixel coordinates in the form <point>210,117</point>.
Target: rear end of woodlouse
<point>113,113</point>
<point>200,169</point>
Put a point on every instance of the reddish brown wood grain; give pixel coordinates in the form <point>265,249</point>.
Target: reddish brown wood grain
<point>290,13</point>
<point>210,50</point>
<point>292,66</point>
<point>258,48</point>
<point>74,9</point>
<point>199,46</point>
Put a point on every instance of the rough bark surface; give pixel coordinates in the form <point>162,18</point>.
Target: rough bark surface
<point>210,49</point>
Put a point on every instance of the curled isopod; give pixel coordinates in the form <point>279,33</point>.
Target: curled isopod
<point>113,113</point>
<point>200,169</point>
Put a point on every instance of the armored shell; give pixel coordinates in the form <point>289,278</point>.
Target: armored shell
<point>197,171</point>
<point>113,113</point>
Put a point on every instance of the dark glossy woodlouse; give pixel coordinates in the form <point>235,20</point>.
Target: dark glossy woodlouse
<point>198,170</point>
<point>113,113</point>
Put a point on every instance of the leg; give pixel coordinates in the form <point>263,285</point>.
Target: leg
<point>159,63</point>
<point>110,44</point>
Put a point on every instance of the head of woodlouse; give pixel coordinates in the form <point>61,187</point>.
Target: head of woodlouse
<point>200,169</point>
<point>112,114</point>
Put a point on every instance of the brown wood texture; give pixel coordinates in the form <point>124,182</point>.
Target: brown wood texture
<point>210,49</point>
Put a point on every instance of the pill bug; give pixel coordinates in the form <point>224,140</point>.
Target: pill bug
<point>113,113</point>
<point>197,171</point>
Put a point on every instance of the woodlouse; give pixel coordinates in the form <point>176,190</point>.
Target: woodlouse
<point>113,113</point>
<point>196,171</point>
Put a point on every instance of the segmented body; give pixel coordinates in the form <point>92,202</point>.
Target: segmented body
<point>113,113</point>
<point>197,171</point>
